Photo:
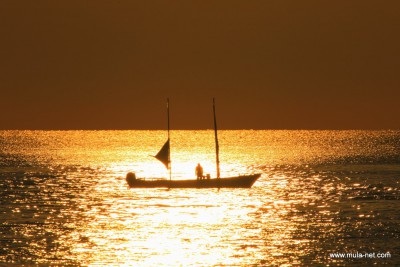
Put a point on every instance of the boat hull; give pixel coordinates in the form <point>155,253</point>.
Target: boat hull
<point>242,181</point>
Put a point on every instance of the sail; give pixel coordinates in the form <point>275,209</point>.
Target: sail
<point>163,154</point>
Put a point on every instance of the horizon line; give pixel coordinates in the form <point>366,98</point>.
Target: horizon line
<point>211,129</point>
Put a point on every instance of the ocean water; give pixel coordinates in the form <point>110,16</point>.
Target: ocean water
<point>64,199</point>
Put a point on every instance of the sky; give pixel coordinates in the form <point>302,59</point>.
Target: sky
<point>284,64</point>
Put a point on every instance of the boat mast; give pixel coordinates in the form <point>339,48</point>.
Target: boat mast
<point>216,140</point>
<point>169,148</point>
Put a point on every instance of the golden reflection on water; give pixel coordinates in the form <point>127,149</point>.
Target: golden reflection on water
<point>190,227</point>
<point>168,229</point>
<point>73,192</point>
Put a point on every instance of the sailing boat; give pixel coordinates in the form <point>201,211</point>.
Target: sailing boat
<point>241,181</point>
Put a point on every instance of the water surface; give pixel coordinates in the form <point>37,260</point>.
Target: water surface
<point>64,200</point>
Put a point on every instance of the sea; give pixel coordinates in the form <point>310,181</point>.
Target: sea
<point>324,198</point>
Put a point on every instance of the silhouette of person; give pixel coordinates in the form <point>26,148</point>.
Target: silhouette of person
<point>199,171</point>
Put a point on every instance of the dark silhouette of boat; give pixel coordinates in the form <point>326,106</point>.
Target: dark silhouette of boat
<point>241,181</point>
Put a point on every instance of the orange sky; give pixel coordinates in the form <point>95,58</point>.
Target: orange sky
<point>270,64</point>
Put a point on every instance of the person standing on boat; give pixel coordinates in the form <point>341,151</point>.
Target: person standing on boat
<point>199,171</point>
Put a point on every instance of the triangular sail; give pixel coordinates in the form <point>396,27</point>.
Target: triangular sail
<point>163,154</point>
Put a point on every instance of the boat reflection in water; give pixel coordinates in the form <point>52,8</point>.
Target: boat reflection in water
<point>241,181</point>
